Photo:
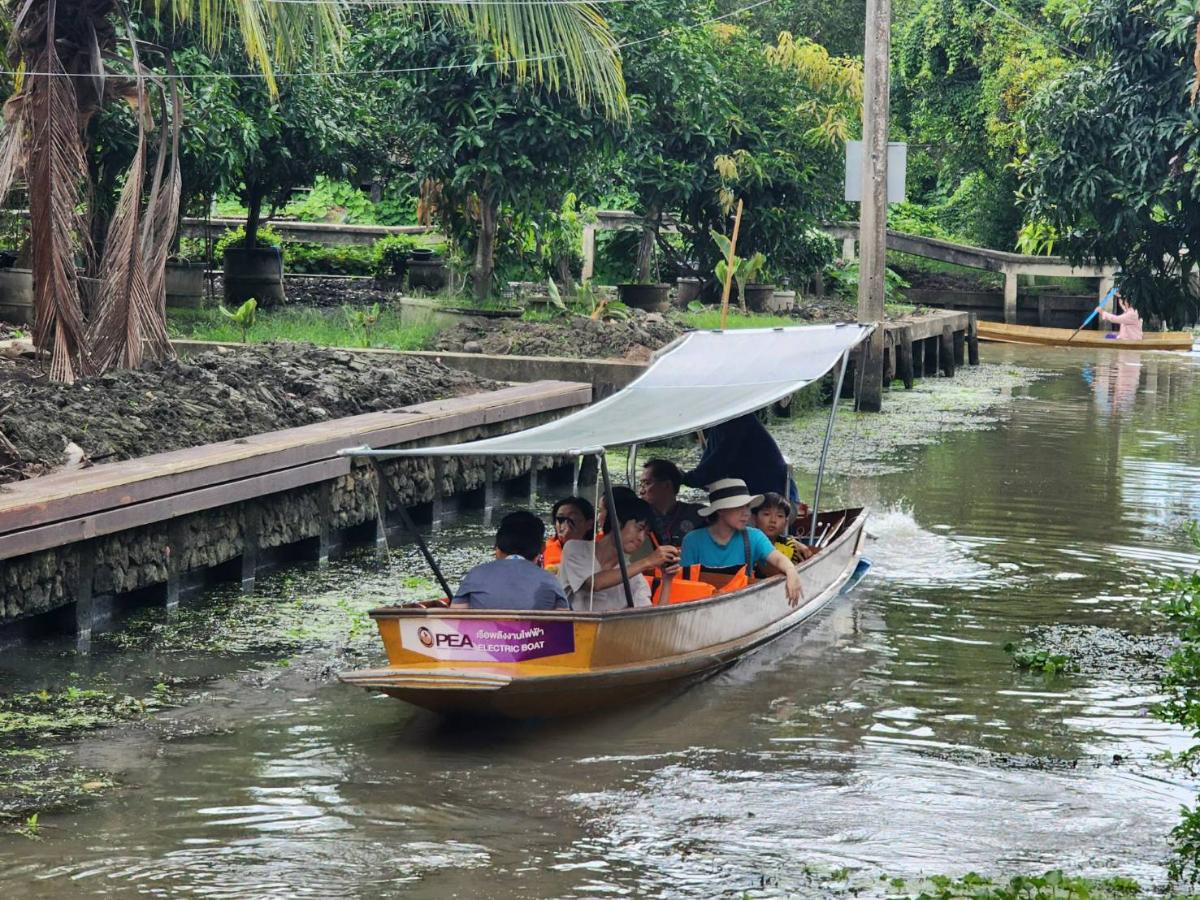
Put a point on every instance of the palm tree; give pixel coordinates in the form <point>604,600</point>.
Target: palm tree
<point>74,57</point>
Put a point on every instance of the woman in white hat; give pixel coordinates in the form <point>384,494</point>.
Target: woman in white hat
<point>729,542</point>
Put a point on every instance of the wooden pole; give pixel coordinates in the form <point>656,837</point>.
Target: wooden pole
<point>872,228</point>
<point>737,224</point>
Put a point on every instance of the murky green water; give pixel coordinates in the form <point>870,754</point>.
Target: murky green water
<point>889,735</point>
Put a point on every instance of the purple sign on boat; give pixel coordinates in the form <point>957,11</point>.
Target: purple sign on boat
<point>487,640</point>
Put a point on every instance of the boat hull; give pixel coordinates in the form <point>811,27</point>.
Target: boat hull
<point>1059,337</point>
<point>569,662</point>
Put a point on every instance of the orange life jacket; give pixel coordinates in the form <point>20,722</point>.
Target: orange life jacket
<point>552,554</point>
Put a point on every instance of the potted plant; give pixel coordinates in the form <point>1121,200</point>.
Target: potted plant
<point>391,261</point>
<point>744,273</point>
<point>252,266</point>
<point>185,283</point>
<point>757,294</point>
<point>686,290</point>
<point>655,297</point>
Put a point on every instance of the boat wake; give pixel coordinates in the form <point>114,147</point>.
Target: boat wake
<point>902,551</point>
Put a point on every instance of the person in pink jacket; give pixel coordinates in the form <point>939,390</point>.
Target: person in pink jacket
<point>1127,318</point>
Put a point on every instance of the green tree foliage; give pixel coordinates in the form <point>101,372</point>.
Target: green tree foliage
<point>718,114</point>
<point>479,142</point>
<point>1114,149</point>
<point>963,75</point>
<point>837,25</point>
<point>241,139</point>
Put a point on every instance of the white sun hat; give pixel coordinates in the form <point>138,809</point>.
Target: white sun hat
<point>728,493</point>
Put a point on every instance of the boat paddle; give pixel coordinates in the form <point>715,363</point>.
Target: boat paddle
<point>1092,314</point>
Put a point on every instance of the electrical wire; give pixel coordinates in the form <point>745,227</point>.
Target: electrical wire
<point>412,70</point>
<point>383,3</point>
<point>1030,28</point>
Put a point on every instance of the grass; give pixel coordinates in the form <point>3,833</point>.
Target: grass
<point>323,327</point>
<point>710,320</point>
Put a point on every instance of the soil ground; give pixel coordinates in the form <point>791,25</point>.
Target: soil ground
<point>325,292</point>
<point>216,396</point>
<point>577,337</point>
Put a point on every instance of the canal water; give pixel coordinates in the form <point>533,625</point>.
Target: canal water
<point>889,736</point>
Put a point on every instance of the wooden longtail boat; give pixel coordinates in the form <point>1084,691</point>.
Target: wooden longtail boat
<point>545,663</point>
<point>523,664</point>
<point>1058,337</point>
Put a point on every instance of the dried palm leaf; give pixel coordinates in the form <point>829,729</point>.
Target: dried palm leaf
<point>56,169</point>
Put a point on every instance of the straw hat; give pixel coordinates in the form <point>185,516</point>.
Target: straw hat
<point>728,493</point>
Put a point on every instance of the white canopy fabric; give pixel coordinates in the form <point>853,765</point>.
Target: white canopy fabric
<point>706,378</point>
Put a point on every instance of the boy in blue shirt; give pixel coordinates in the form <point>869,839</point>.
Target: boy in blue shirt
<point>513,580</point>
<point>730,542</point>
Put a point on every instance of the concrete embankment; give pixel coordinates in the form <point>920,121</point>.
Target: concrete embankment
<point>76,546</point>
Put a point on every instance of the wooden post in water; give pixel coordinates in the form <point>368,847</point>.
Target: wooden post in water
<point>904,356</point>
<point>973,339</point>
<point>872,227</point>
<point>946,351</point>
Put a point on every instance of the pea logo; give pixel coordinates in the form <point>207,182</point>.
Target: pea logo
<point>425,636</point>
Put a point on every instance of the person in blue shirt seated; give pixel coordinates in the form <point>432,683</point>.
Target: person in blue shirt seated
<point>729,541</point>
<point>513,580</point>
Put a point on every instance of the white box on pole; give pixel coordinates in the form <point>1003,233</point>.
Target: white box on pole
<point>897,171</point>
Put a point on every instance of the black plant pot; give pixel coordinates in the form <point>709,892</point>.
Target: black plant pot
<point>650,297</point>
<point>253,272</point>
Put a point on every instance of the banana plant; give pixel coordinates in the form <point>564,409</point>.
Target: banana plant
<point>363,320</point>
<point>745,271</point>
<point>244,317</point>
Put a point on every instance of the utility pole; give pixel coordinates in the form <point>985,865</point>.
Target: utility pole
<point>872,224</point>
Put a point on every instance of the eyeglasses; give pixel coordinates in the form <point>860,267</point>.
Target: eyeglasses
<point>563,520</point>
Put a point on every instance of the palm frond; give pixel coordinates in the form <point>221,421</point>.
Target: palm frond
<point>274,35</point>
<point>564,46</point>
<point>56,170</point>
<point>13,142</point>
<point>162,209</point>
<point>128,323</point>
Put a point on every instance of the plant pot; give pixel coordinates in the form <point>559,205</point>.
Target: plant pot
<point>650,297</point>
<point>253,272</point>
<point>185,285</point>
<point>758,296</point>
<point>427,271</point>
<point>686,290</point>
<point>782,302</point>
<point>16,296</point>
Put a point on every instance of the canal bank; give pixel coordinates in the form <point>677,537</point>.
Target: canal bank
<point>891,736</point>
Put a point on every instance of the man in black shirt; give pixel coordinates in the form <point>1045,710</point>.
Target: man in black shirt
<point>673,519</point>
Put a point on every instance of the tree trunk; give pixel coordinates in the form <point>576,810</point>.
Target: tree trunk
<point>253,216</point>
<point>645,256</point>
<point>566,278</point>
<point>485,245</point>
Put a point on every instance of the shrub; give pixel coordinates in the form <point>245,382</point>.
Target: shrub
<point>391,253</point>
<point>236,237</point>
<point>319,259</point>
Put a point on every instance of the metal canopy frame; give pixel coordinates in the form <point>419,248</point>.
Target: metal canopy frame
<point>772,391</point>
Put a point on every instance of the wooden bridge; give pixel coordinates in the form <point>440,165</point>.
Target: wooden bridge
<point>1011,264</point>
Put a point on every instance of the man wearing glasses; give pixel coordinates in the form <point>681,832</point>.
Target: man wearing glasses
<point>673,519</point>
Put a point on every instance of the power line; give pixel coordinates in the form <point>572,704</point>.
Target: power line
<point>381,3</point>
<point>1032,30</point>
<point>412,70</point>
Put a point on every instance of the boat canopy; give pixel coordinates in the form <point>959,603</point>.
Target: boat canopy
<point>705,378</point>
